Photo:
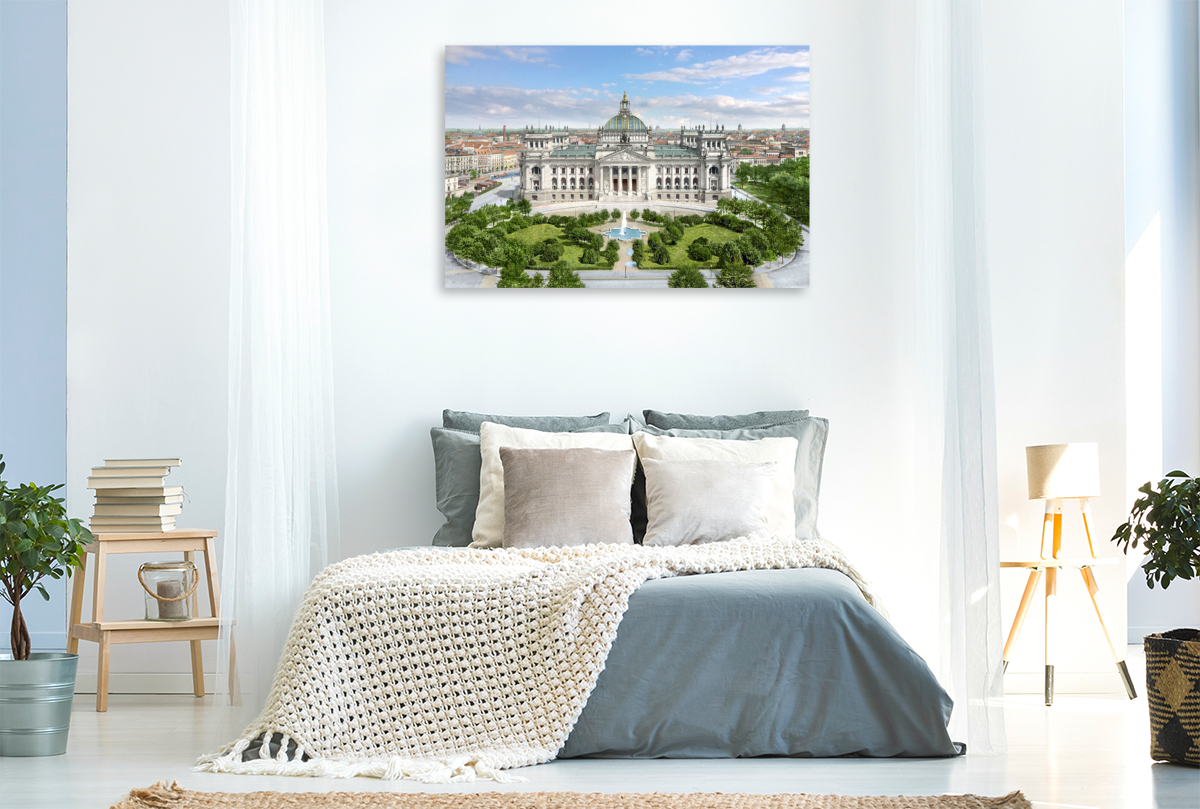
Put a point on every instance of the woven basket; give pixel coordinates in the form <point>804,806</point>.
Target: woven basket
<point>1173,692</point>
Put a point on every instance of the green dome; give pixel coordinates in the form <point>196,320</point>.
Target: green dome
<point>625,123</point>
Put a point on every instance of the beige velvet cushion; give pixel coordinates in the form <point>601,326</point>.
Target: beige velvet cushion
<point>690,502</point>
<point>566,496</point>
<point>781,515</point>
<point>488,531</point>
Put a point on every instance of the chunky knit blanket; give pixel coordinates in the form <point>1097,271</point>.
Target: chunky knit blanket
<point>447,666</point>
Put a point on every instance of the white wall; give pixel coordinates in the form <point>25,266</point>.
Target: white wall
<point>148,247</point>
<point>1056,250</point>
<point>1162,240</point>
<point>144,93</point>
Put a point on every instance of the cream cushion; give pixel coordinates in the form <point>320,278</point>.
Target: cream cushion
<point>781,517</point>
<point>691,502</point>
<point>489,514</point>
<point>566,497</point>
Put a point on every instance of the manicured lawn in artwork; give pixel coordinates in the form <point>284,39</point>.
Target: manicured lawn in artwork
<point>761,191</point>
<point>714,233</point>
<point>571,252</point>
<point>536,233</point>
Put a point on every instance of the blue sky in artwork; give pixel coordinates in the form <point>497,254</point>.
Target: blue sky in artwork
<point>669,86</point>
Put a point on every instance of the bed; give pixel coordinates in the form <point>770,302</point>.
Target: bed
<point>450,664</point>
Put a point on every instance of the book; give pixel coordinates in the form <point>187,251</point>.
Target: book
<point>149,491</point>
<point>104,499</point>
<point>132,529</point>
<point>126,482</point>
<point>134,510</point>
<point>128,462</point>
<point>133,520</point>
<point>130,471</point>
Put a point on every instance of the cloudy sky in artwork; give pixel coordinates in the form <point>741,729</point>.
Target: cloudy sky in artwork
<point>668,86</point>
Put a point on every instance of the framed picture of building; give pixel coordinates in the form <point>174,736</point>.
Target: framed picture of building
<point>623,166</point>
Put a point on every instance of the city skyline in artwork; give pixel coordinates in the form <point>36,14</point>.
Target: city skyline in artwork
<point>579,87</point>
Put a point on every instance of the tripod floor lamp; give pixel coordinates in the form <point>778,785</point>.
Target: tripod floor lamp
<point>1059,472</point>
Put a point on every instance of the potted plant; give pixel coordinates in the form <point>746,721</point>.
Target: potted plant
<point>1166,522</point>
<point>36,688</point>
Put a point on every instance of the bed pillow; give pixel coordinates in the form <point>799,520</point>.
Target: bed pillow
<point>464,420</point>
<point>810,433</point>
<point>690,502</point>
<point>781,517</point>
<point>489,514</point>
<point>456,465</point>
<point>566,496</point>
<point>685,421</point>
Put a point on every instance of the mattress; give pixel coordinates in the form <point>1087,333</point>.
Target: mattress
<point>760,663</point>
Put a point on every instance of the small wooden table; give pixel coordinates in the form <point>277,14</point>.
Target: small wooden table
<point>106,633</point>
<point>1051,567</point>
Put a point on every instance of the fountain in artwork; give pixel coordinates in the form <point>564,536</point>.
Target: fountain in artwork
<point>624,233</point>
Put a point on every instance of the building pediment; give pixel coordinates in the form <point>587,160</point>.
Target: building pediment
<point>626,156</point>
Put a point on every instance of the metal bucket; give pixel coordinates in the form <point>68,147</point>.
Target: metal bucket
<point>35,703</point>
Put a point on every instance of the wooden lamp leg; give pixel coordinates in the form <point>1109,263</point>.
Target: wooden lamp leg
<point>1093,588</point>
<point>1051,605</point>
<point>1035,576</point>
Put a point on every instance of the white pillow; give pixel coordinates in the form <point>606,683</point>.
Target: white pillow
<point>781,516</point>
<point>489,514</point>
<point>690,502</point>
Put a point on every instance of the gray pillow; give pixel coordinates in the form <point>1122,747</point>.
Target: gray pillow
<point>456,464</point>
<point>694,501</point>
<point>685,421</point>
<point>811,433</point>
<point>564,497</point>
<point>463,420</point>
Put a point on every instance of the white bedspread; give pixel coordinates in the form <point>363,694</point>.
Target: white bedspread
<point>450,666</point>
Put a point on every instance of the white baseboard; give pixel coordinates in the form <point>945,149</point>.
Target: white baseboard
<point>1066,682</point>
<point>144,683</point>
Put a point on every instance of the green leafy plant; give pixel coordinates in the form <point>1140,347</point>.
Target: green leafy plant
<point>1166,521</point>
<point>687,278</point>
<point>36,540</point>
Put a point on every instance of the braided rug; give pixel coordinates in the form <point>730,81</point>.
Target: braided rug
<point>162,796</point>
<point>447,666</point>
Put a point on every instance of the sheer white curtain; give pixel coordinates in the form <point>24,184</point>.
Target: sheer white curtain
<point>281,509</point>
<point>957,427</point>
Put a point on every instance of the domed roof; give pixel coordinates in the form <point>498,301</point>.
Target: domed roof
<point>625,121</point>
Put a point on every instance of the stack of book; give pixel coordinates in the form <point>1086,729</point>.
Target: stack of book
<point>132,496</point>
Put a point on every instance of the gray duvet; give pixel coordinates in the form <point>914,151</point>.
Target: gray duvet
<point>760,663</point>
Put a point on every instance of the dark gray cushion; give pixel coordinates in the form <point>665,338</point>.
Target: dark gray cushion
<point>685,421</point>
<point>463,420</point>
<point>457,463</point>
<point>811,433</point>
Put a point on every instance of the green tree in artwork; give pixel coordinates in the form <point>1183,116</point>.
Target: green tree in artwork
<point>551,252</point>
<point>699,250</point>
<point>524,207</point>
<point>590,256</point>
<point>563,277</point>
<point>687,278</point>
<point>634,214</point>
<point>660,254</point>
<point>733,273</point>
<point>639,251</point>
<point>616,213</point>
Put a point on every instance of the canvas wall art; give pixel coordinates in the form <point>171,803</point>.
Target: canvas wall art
<point>629,167</point>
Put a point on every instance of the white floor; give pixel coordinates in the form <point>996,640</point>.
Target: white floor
<point>1083,752</point>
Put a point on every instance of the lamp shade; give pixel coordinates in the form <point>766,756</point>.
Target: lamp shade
<point>1063,470</point>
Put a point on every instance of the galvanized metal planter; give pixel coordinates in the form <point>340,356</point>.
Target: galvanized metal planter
<point>35,703</point>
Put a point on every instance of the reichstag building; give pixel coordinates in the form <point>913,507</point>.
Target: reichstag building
<point>623,165</point>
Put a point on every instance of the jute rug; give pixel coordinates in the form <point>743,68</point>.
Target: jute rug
<point>162,796</point>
